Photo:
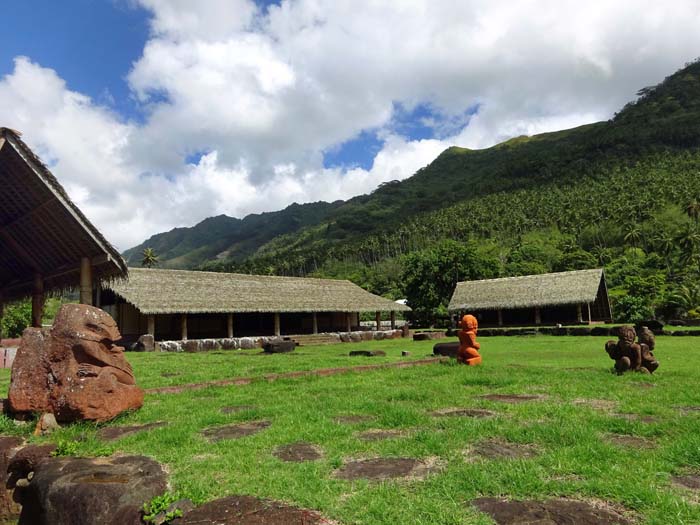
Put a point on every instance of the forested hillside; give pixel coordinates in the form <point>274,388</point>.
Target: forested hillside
<point>622,194</point>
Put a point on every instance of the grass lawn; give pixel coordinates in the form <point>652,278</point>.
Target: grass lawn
<point>570,428</point>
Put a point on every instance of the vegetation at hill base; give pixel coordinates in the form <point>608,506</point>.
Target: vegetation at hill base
<point>622,194</point>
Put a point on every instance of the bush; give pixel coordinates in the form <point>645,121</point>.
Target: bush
<point>632,308</point>
<point>16,318</point>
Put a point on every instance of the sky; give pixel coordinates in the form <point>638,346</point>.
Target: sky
<point>155,114</point>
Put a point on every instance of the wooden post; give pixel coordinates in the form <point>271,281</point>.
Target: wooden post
<point>98,295</point>
<point>579,314</point>
<point>2,311</point>
<point>589,313</point>
<point>151,325</point>
<point>500,317</point>
<point>378,320</point>
<point>348,322</point>
<point>538,316</point>
<point>85,281</point>
<point>278,332</point>
<point>315,322</point>
<point>183,327</point>
<point>393,320</point>
<point>37,300</point>
<point>229,325</point>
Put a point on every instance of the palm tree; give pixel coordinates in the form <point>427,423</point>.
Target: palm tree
<point>149,258</point>
<point>692,210</point>
<point>633,235</point>
<point>689,242</point>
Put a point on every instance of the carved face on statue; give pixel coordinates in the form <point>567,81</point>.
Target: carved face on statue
<point>92,336</point>
<point>627,336</point>
<point>469,323</point>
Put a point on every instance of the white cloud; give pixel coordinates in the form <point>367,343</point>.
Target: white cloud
<point>264,93</point>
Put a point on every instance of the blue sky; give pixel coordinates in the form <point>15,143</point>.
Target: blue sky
<point>93,44</point>
<point>178,110</point>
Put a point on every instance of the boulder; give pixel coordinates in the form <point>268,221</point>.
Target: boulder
<point>192,346</point>
<point>422,336</point>
<point>580,330</point>
<point>355,337</point>
<point>446,349</point>
<point>652,324</point>
<point>145,343</point>
<point>601,330</point>
<point>345,337</point>
<point>248,343</point>
<point>87,491</point>
<point>367,336</point>
<point>279,347</point>
<point>74,370</point>
<point>9,510</point>
<point>229,344</point>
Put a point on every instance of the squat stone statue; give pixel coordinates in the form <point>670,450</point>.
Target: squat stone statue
<point>468,352</point>
<point>74,370</point>
<point>631,355</point>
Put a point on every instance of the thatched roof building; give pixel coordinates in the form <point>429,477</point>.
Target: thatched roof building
<point>166,293</point>
<point>46,243</point>
<point>563,292</point>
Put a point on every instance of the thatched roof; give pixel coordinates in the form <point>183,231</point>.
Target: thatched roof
<point>528,291</point>
<point>41,230</point>
<point>155,291</point>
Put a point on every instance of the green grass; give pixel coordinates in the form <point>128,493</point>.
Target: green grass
<point>576,460</point>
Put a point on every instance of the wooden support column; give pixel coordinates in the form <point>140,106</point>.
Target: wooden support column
<point>538,316</point>
<point>183,327</point>
<point>500,317</point>
<point>151,319</point>
<point>85,281</point>
<point>37,300</point>
<point>98,295</point>
<point>278,331</point>
<point>589,313</point>
<point>348,322</point>
<point>315,322</point>
<point>579,313</point>
<point>2,311</point>
<point>229,325</point>
<point>378,320</point>
<point>393,320</point>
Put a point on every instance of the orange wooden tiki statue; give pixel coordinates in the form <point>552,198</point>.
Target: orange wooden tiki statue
<point>468,347</point>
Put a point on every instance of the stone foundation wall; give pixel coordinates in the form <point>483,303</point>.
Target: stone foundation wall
<point>236,343</point>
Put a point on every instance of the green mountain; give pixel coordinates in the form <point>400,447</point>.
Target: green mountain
<point>622,193</point>
<point>228,238</point>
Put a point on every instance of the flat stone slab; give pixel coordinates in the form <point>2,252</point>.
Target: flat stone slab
<point>298,452</point>
<point>367,353</point>
<point>237,408</point>
<point>687,481</point>
<point>249,510</point>
<point>550,512</point>
<point>498,449</point>
<point>353,419</point>
<point>236,431</point>
<point>638,417</point>
<point>385,468</point>
<point>463,412</point>
<point>114,433</point>
<point>688,409</point>
<point>511,398</point>
<point>379,434</point>
<point>644,384</point>
<point>598,404</point>
<point>87,491</point>
<point>630,442</point>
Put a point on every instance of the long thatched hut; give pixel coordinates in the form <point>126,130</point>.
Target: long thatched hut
<point>46,243</point>
<point>564,297</point>
<point>179,304</point>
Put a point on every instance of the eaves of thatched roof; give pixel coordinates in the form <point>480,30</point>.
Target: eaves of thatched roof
<point>41,230</point>
<point>528,291</point>
<point>156,291</point>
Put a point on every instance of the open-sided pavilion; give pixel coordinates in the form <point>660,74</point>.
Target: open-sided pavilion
<point>46,243</point>
<point>579,296</point>
<point>179,304</point>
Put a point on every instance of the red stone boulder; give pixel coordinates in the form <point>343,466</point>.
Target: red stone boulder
<point>74,369</point>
